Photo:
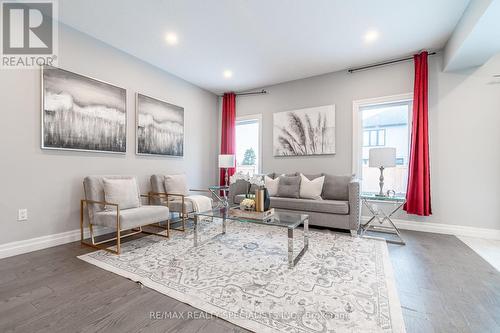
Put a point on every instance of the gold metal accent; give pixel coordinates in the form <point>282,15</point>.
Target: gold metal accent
<point>118,237</point>
<point>183,214</point>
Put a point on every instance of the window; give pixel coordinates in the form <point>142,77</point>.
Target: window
<point>248,149</point>
<point>374,138</point>
<point>382,122</point>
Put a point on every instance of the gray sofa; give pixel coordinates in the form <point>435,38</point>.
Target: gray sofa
<point>340,207</point>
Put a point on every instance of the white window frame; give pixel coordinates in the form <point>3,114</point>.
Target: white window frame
<point>357,131</point>
<point>258,117</point>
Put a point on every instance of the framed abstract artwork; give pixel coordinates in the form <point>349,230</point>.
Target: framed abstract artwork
<point>160,127</point>
<point>82,113</point>
<point>304,132</point>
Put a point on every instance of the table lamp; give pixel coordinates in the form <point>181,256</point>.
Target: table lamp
<point>382,158</point>
<point>226,161</point>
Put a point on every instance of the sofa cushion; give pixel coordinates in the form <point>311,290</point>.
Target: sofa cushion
<point>271,185</point>
<point>133,217</point>
<point>338,207</point>
<point>239,198</point>
<point>336,187</point>
<point>311,189</point>
<point>291,174</point>
<point>307,205</point>
<point>289,187</point>
<point>253,188</point>
<point>313,176</point>
<point>176,184</point>
<point>122,192</point>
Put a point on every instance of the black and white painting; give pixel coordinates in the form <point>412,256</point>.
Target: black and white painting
<point>160,127</point>
<point>308,131</point>
<point>80,113</point>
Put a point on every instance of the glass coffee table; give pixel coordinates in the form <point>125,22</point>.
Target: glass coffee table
<point>285,220</point>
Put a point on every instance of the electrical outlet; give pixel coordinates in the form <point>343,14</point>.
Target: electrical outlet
<point>22,214</point>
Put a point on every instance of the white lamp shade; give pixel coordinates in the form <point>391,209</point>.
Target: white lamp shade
<point>227,161</point>
<point>382,157</point>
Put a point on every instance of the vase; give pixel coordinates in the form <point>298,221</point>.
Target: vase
<point>267,200</point>
<point>259,200</point>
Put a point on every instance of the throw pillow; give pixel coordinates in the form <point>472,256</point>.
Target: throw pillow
<point>271,185</point>
<point>336,187</point>
<point>311,189</point>
<point>122,192</point>
<point>176,184</point>
<point>289,187</point>
<point>313,176</point>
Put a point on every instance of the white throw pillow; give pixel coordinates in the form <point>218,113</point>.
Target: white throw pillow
<point>311,189</point>
<point>271,185</point>
<point>122,192</point>
<point>176,184</point>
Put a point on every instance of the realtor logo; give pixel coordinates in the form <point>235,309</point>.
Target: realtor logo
<point>29,34</point>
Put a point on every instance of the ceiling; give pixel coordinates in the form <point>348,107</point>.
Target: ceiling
<point>263,42</point>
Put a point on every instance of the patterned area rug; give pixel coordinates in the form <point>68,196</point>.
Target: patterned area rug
<point>341,284</point>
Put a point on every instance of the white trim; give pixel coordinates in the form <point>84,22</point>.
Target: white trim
<point>258,117</point>
<point>44,242</point>
<point>447,229</point>
<point>356,124</point>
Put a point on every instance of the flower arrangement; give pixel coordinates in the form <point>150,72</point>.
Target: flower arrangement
<point>255,179</point>
<point>247,204</point>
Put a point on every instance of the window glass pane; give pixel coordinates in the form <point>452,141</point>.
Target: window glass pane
<point>366,138</point>
<point>388,127</point>
<point>373,138</point>
<point>381,138</point>
<point>247,146</point>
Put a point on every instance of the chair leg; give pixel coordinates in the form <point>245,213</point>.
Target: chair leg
<point>81,220</point>
<point>91,230</point>
<point>118,238</point>
<point>183,221</point>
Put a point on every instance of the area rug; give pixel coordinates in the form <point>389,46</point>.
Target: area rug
<point>341,284</point>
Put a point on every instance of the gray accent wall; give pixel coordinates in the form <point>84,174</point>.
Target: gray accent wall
<point>464,115</point>
<point>49,183</point>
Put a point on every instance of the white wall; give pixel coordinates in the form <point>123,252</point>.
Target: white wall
<point>464,114</point>
<point>49,183</point>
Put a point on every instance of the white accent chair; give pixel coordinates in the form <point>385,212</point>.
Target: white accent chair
<point>108,214</point>
<point>176,202</point>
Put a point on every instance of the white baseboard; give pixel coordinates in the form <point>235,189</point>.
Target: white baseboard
<point>448,229</point>
<point>44,242</point>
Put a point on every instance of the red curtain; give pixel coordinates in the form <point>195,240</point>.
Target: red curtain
<point>418,194</point>
<point>228,129</point>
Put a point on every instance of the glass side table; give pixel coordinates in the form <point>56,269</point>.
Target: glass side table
<point>371,202</point>
<point>220,199</point>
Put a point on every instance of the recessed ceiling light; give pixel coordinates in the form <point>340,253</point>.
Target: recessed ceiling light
<point>171,38</point>
<point>227,74</point>
<point>371,36</point>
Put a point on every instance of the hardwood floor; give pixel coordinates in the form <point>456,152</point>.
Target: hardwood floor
<point>443,285</point>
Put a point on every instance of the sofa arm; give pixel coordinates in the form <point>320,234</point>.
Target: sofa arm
<point>354,205</point>
<point>239,187</point>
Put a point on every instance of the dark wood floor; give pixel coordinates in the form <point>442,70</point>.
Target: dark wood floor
<point>443,286</point>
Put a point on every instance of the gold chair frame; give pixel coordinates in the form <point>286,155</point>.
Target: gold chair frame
<point>183,214</point>
<point>119,236</point>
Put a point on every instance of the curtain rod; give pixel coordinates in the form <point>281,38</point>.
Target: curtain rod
<point>389,62</point>
<point>262,92</point>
